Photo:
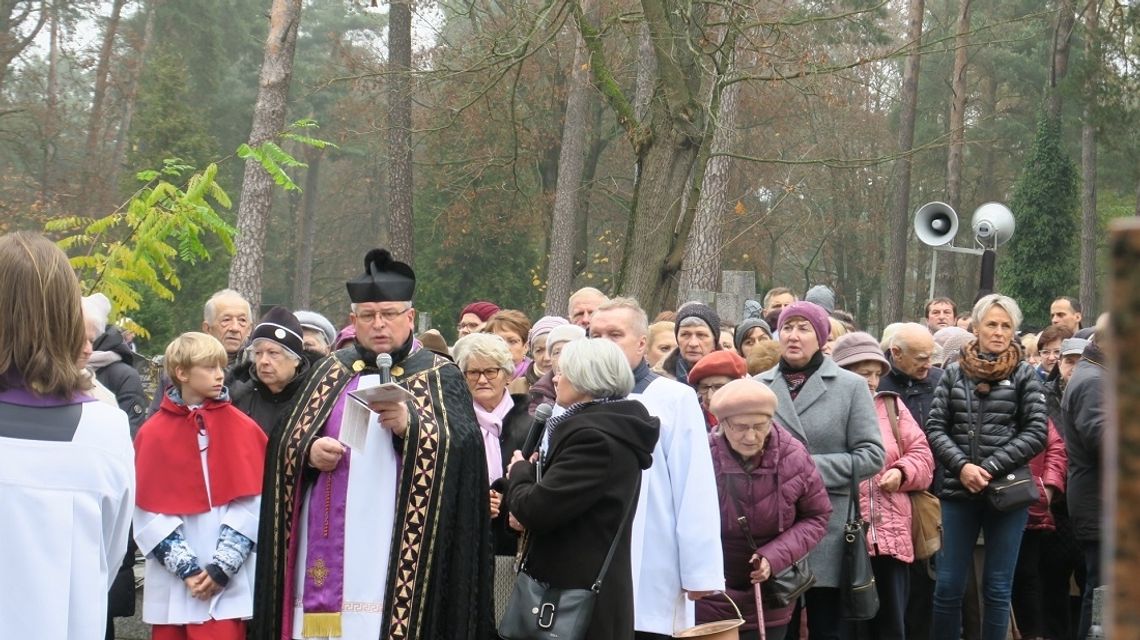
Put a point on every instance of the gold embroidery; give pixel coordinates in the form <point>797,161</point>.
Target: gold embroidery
<point>318,572</point>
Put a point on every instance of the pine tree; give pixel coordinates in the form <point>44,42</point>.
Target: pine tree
<point>1040,263</point>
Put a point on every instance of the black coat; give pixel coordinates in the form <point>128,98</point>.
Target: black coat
<point>1000,431</point>
<point>269,409</point>
<point>121,378</point>
<point>1082,408</point>
<point>593,469</point>
<point>917,395</point>
<point>516,425</point>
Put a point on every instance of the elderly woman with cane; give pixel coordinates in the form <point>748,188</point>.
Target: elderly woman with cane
<point>773,504</point>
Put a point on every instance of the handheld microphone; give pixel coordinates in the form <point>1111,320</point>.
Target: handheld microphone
<point>541,415</point>
<point>384,363</point>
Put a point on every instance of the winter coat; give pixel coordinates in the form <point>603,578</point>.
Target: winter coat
<point>541,391</point>
<point>593,467</point>
<point>1048,469</point>
<point>1083,409</point>
<point>512,437</point>
<point>111,359</point>
<point>786,506</point>
<point>268,409</point>
<point>888,515</point>
<point>1000,431</point>
<point>917,395</point>
<point>834,416</point>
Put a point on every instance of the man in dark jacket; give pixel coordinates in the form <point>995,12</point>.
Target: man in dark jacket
<point>278,368</point>
<point>112,360</point>
<point>1082,407</point>
<point>913,377</point>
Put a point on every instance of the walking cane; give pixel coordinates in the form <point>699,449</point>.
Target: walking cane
<point>759,611</point>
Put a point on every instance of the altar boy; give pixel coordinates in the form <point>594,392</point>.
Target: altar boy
<point>198,463</point>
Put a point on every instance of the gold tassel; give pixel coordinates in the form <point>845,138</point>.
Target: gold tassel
<point>321,625</point>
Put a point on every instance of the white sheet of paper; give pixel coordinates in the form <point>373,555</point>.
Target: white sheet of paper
<point>358,418</point>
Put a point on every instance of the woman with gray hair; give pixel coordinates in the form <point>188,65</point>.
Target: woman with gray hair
<point>987,421</point>
<point>579,499</point>
<point>486,363</point>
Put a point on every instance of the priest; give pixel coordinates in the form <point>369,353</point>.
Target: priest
<point>389,538</point>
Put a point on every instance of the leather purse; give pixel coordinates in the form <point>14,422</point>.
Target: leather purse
<point>784,588</point>
<point>537,611</point>
<point>925,507</point>
<point>859,597</point>
<point>1012,491</point>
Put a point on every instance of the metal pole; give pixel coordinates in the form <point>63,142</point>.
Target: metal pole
<point>933,271</point>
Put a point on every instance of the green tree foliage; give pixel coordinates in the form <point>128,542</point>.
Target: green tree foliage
<point>131,253</point>
<point>1040,262</point>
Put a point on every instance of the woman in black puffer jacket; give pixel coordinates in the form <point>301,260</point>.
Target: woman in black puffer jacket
<point>988,419</point>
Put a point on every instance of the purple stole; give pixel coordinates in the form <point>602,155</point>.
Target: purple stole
<point>323,597</point>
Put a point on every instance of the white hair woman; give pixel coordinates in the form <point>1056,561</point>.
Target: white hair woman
<point>486,362</point>
<point>987,420</point>
<point>591,472</point>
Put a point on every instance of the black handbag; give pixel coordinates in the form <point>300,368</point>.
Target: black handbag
<point>1012,491</point>
<point>784,588</point>
<point>537,611</point>
<point>858,595</point>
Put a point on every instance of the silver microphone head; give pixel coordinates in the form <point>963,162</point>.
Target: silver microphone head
<point>543,411</point>
<point>384,361</point>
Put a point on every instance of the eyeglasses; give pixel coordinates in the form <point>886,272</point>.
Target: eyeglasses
<point>491,375</point>
<point>468,325</point>
<point>709,388</point>
<point>1056,353</point>
<point>741,429</point>
<point>369,317</point>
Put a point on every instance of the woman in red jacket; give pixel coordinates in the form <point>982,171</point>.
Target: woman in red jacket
<point>883,499</point>
<point>1030,591</point>
<point>773,504</point>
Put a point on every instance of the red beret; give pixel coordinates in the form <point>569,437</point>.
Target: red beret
<point>481,308</point>
<point>718,363</point>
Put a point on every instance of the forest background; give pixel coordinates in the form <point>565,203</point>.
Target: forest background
<point>514,150</point>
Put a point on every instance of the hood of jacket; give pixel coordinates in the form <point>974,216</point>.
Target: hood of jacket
<point>112,342</point>
<point>626,421</point>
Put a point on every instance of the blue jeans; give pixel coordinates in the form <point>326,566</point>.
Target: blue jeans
<point>961,522</point>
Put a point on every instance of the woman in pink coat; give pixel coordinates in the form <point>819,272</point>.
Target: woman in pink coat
<point>883,499</point>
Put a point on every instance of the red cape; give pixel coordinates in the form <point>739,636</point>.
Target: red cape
<point>168,464</point>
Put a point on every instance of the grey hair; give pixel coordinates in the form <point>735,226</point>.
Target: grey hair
<point>1005,303</point>
<point>407,305</point>
<point>210,314</point>
<point>898,338</point>
<point>640,319</point>
<point>487,346</point>
<point>596,367</point>
<point>295,357</point>
<point>583,292</point>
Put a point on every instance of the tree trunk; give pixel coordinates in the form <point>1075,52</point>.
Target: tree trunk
<point>1088,165</point>
<point>94,196</point>
<point>130,98</point>
<point>12,40</point>
<point>303,276</point>
<point>401,236</point>
<point>948,262</point>
<point>1062,36</point>
<point>987,105</point>
<point>900,224</point>
<point>646,72</point>
<point>47,187</point>
<point>268,120</point>
<point>567,194</point>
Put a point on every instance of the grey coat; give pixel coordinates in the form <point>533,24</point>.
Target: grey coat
<point>835,417</point>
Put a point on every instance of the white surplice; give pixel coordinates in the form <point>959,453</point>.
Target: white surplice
<point>64,522</point>
<point>370,514</point>
<point>675,545</point>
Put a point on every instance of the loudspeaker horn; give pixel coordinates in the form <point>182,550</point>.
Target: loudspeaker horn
<point>993,224</point>
<point>936,224</point>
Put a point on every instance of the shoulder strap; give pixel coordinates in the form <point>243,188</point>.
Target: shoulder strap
<point>617,536</point>
<point>893,416</point>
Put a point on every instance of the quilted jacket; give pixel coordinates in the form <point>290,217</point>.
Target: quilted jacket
<point>999,431</point>
<point>888,514</point>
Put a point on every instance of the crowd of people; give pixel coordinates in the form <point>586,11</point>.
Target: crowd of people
<point>292,480</point>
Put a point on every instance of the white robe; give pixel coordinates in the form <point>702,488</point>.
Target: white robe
<point>675,543</point>
<point>166,599</point>
<point>64,521</point>
<point>370,513</point>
